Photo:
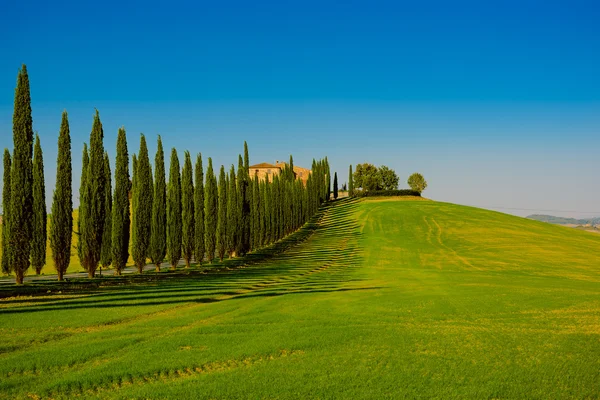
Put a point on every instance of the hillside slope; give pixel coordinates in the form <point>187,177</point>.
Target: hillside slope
<point>381,298</point>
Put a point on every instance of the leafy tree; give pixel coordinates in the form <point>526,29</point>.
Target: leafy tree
<point>335,186</point>
<point>62,202</point>
<point>21,180</point>
<point>417,182</point>
<point>350,182</point>
<point>232,215</point>
<point>388,178</point>
<point>38,242</point>
<point>221,234</point>
<point>143,193</point>
<point>157,249</point>
<point>120,211</point>
<point>187,209</point>
<point>174,230</point>
<point>6,214</point>
<point>210,212</point>
<point>92,219</point>
<point>199,211</point>
<point>106,253</point>
<point>366,177</point>
<point>85,160</point>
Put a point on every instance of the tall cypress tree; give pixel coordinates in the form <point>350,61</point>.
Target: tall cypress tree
<point>6,213</point>
<point>120,210</point>
<point>231,212</point>
<point>21,180</point>
<point>92,221</point>
<point>62,202</point>
<point>38,240</point>
<point>158,240</point>
<point>85,160</point>
<point>255,235</point>
<point>222,215</point>
<point>199,211</point>
<point>335,186</point>
<point>246,196</point>
<point>350,182</point>
<point>174,230</point>
<point>142,198</point>
<point>106,253</point>
<point>239,230</point>
<point>134,164</point>
<point>187,210</point>
<point>210,212</point>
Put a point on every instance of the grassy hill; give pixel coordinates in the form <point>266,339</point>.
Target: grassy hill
<point>379,298</point>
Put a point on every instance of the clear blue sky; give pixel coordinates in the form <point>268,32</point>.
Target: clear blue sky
<point>496,103</point>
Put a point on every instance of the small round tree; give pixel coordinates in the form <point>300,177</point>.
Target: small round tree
<point>417,182</point>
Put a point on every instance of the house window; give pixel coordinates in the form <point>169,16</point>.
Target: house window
<point>256,172</point>
<point>300,173</point>
<point>269,171</point>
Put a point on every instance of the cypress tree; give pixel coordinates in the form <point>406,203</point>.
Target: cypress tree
<point>157,249</point>
<point>39,234</point>
<point>174,222</point>
<point>92,221</point>
<point>85,160</point>
<point>350,182</point>
<point>328,178</point>
<point>62,202</point>
<point>21,180</point>
<point>106,253</point>
<point>246,195</point>
<point>134,164</point>
<point>256,235</point>
<point>222,215</point>
<point>187,209</point>
<point>5,213</point>
<point>231,213</point>
<point>239,230</point>
<point>142,209</point>
<point>120,210</point>
<point>199,211</point>
<point>335,186</point>
<point>263,214</point>
<point>210,212</point>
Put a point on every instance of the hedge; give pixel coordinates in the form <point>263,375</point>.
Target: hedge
<point>380,193</point>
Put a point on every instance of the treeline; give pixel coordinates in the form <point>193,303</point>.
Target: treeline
<point>198,215</point>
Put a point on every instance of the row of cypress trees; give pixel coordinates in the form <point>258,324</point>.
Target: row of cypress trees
<point>194,216</point>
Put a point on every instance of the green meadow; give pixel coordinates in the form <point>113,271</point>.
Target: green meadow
<point>377,298</point>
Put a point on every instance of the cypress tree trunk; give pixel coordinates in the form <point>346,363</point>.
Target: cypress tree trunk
<point>5,213</point>
<point>92,224</point>
<point>231,212</point>
<point>120,210</point>
<point>106,254</point>
<point>210,212</point>
<point>174,228</point>
<point>21,180</point>
<point>222,215</point>
<point>62,203</point>
<point>142,217</point>
<point>199,211</point>
<point>335,186</point>
<point>187,211</point>
<point>350,182</point>
<point>158,240</point>
<point>39,237</point>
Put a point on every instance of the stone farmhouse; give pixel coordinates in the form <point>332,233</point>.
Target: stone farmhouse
<point>267,170</point>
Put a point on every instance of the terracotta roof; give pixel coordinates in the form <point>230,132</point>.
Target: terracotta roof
<point>263,165</point>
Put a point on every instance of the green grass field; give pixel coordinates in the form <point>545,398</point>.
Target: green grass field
<point>379,298</point>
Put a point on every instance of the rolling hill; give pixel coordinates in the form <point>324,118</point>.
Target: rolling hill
<point>377,298</point>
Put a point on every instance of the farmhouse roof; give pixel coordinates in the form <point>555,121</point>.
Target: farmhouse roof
<point>263,165</point>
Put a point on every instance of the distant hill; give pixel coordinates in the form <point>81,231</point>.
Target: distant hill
<point>565,221</point>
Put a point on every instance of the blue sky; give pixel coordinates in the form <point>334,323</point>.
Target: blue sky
<point>496,103</point>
